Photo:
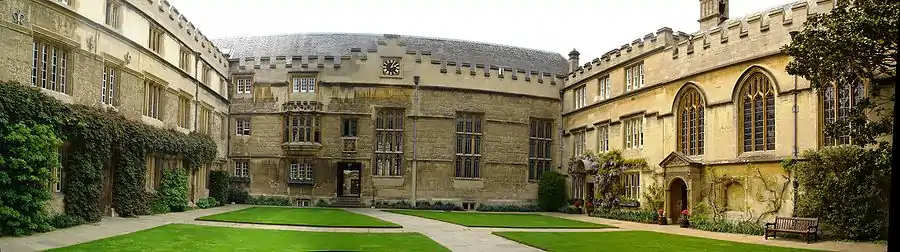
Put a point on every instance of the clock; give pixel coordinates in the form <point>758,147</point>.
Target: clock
<point>390,67</point>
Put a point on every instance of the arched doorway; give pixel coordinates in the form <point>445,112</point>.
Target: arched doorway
<point>678,198</point>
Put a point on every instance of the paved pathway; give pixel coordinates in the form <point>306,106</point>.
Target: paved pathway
<point>452,236</point>
<point>756,239</point>
<point>110,226</point>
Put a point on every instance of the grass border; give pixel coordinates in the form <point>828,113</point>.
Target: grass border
<point>601,226</point>
<point>393,226</point>
<point>501,235</point>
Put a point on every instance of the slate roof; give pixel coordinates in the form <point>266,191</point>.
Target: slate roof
<point>337,44</point>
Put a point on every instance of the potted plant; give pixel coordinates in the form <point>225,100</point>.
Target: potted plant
<point>661,217</point>
<point>684,218</point>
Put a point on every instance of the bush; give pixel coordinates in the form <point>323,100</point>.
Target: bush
<point>157,204</point>
<point>552,191</point>
<point>847,188</point>
<point>238,196</point>
<point>218,186</point>
<point>728,226</point>
<point>269,201</point>
<point>421,205</point>
<point>173,190</point>
<point>205,203</point>
<point>449,206</point>
<point>569,210</point>
<point>26,155</point>
<point>643,216</point>
<point>321,203</point>
<point>65,221</point>
<point>507,208</point>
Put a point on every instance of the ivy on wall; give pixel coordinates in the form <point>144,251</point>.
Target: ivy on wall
<point>26,156</point>
<point>102,138</point>
<point>607,169</point>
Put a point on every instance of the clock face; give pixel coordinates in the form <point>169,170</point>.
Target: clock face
<point>390,67</point>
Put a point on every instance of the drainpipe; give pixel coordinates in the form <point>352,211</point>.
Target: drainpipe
<point>560,131</point>
<point>415,139</point>
<point>796,149</point>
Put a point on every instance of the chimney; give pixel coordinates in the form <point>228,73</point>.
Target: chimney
<point>573,60</point>
<point>712,13</point>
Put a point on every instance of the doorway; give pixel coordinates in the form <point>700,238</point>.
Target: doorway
<point>589,197</point>
<point>348,179</point>
<point>678,199</point>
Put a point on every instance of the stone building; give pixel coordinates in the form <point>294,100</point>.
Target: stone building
<point>359,118</point>
<point>141,58</point>
<point>713,112</point>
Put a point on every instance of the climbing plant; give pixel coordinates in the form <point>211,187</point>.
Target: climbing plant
<point>607,169</point>
<point>218,186</point>
<point>770,189</point>
<point>27,153</point>
<point>102,139</point>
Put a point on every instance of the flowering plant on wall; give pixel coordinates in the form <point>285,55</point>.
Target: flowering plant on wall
<point>608,176</point>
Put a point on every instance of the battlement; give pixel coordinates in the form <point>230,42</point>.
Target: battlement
<point>734,38</point>
<point>638,48</point>
<point>178,25</point>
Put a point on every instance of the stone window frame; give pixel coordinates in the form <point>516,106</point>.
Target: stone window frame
<point>690,122</point>
<point>469,143</point>
<point>350,127</point>
<point>153,93</point>
<point>184,110</point>
<point>577,187</point>
<point>750,139</point>
<point>184,59</point>
<point>304,83</point>
<point>65,2</point>
<point>603,138</point>
<point>389,141</point>
<point>631,184</point>
<point>830,102</point>
<point>301,170</point>
<point>59,171</point>
<point>156,39</point>
<point>604,89</point>
<point>579,139</point>
<point>578,97</point>
<point>633,132</point>
<point>634,76</point>
<point>243,84</point>
<point>50,66</point>
<point>241,168</point>
<point>204,119</point>
<point>109,84</point>
<point>242,126</point>
<point>540,145</point>
<point>303,128</point>
<point>114,11</point>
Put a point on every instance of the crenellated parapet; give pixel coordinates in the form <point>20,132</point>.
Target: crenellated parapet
<point>746,37</point>
<point>179,26</point>
<point>638,48</point>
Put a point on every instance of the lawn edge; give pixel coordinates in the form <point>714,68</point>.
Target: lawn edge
<point>602,226</point>
<point>303,225</point>
<point>499,234</point>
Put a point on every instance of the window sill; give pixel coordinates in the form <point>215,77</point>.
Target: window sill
<point>301,181</point>
<point>152,121</point>
<point>108,106</point>
<point>240,179</point>
<point>63,97</point>
<point>468,183</point>
<point>387,177</point>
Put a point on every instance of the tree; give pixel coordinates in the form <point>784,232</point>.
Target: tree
<point>851,45</point>
<point>29,154</point>
<point>552,191</point>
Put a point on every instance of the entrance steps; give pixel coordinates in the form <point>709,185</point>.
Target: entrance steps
<point>347,202</point>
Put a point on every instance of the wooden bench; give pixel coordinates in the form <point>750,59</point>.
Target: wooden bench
<point>808,227</point>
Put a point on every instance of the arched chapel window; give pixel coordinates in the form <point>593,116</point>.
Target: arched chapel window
<point>757,106</point>
<point>690,123</point>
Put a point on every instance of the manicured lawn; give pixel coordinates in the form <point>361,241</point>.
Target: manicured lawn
<point>504,220</point>
<point>183,237</point>
<point>630,241</point>
<point>313,217</point>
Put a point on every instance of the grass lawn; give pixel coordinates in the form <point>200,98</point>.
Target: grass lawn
<point>503,220</point>
<point>313,217</point>
<point>183,237</point>
<point>630,241</point>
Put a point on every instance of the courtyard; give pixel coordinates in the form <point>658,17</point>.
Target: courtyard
<point>252,228</point>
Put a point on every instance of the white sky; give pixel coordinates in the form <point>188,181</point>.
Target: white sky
<point>593,27</point>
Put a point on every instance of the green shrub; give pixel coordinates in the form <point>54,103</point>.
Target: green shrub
<point>238,196</point>
<point>65,221</point>
<point>26,155</point>
<point>569,210</point>
<point>269,201</point>
<point>643,216</point>
<point>321,203</point>
<point>848,189</point>
<point>552,191</point>
<point>173,189</point>
<point>728,226</point>
<point>218,186</point>
<point>205,203</point>
<point>507,208</point>
<point>157,204</point>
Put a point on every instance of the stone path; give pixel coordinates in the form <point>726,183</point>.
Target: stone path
<point>110,226</point>
<point>452,236</point>
<point>756,239</point>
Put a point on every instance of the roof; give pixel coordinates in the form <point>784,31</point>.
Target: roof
<point>338,44</point>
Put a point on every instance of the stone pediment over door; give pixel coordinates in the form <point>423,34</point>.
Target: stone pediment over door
<point>678,159</point>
